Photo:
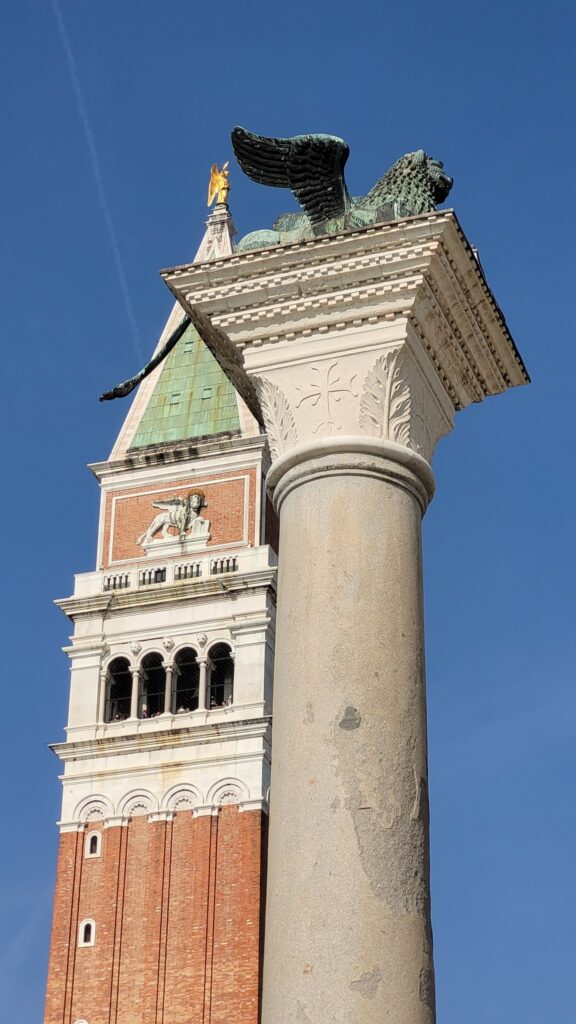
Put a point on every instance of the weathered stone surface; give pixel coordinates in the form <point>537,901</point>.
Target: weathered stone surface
<point>348,933</point>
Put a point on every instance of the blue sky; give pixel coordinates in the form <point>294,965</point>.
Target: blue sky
<point>98,193</point>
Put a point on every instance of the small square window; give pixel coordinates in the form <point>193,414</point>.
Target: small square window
<point>207,392</point>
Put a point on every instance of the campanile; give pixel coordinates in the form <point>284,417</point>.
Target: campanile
<point>157,914</point>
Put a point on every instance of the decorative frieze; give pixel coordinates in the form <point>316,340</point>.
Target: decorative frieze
<point>181,797</point>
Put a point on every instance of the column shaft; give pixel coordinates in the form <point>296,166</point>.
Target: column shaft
<point>348,937</point>
<point>168,690</point>
<point>135,693</point>
<point>202,685</point>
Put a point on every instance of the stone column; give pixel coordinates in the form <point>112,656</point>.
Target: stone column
<point>169,669</point>
<point>203,664</point>
<point>102,697</point>
<point>135,692</point>
<point>354,351</point>
<point>348,936</point>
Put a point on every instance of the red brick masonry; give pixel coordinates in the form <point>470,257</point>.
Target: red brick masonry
<point>130,511</point>
<point>178,908</point>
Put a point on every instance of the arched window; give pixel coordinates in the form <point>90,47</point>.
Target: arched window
<point>86,932</point>
<point>93,844</point>
<point>152,686</point>
<point>118,690</point>
<point>185,676</point>
<point>221,680</point>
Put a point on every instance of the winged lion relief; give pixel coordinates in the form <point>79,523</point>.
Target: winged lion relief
<point>179,519</point>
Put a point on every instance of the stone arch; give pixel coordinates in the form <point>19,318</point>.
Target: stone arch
<point>136,802</point>
<point>220,681</point>
<point>93,808</point>
<point>154,648</point>
<point>227,791</point>
<point>217,638</point>
<point>183,645</point>
<point>112,655</point>
<point>183,797</point>
<point>151,684</point>
<point>118,683</point>
<point>185,679</point>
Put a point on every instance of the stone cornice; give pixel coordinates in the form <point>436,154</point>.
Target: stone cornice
<point>206,735</point>
<point>95,604</point>
<point>173,453</point>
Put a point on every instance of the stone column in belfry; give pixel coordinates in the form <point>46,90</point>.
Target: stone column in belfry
<point>360,348</point>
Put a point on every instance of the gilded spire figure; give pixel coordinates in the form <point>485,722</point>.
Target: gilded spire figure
<point>219,185</point>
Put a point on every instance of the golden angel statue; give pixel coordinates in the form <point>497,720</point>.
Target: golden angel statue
<point>219,186</point>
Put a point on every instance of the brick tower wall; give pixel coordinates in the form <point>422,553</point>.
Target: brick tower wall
<point>178,910</point>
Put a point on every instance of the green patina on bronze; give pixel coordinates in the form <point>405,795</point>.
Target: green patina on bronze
<point>193,397</point>
<point>312,167</point>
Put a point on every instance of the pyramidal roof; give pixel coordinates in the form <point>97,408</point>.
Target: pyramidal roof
<point>193,397</point>
<point>188,395</point>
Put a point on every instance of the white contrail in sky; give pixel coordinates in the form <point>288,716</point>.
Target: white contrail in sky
<point>97,172</point>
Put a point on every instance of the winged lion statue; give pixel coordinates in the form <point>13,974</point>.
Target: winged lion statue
<point>312,167</point>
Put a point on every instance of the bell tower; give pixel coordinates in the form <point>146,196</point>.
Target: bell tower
<point>157,915</point>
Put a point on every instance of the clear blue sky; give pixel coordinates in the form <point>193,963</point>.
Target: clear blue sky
<point>488,88</point>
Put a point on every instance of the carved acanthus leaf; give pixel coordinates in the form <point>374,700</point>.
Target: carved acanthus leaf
<point>278,417</point>
<point>385,406</point>
<point>428,429</point>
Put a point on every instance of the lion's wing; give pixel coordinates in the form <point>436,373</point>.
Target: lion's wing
<point>167,504</point>
<point>311,166</point>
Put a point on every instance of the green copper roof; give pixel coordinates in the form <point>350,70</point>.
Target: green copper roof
<point>193,397</point>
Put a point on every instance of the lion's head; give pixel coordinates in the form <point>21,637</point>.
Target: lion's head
<point>196,500</point>
<point>416,183</point>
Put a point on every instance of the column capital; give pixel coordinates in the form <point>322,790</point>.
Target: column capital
<point>374,385</point>
<point>383,332</point>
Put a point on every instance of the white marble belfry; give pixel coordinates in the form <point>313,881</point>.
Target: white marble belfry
<point>355,351</point>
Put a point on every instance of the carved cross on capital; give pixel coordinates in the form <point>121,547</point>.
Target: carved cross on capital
<point>379,392</point>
